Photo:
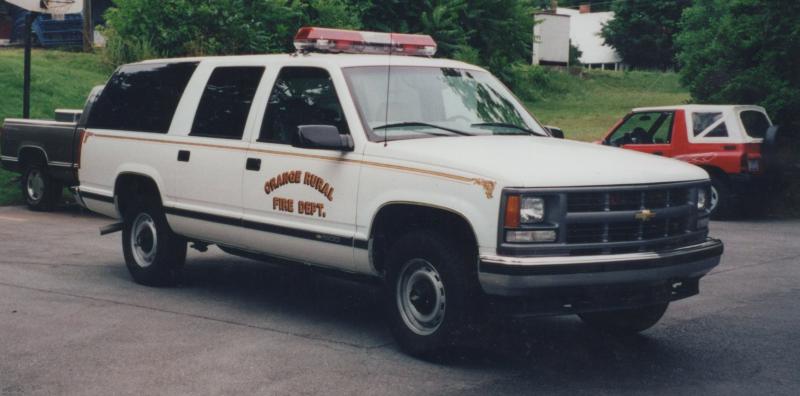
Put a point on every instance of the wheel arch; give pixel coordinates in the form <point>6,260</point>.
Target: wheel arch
<point>28,154</point>
<point>132,184</point>
<point>393,219</point>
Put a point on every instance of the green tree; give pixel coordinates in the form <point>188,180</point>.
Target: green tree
<point>493,33</point>
<point>144,28</point>
<point>642,31</point>
<point>743,51</point>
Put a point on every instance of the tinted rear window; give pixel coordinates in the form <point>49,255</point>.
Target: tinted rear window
<point>141,98</point>
<point>226,102</point>
<point>755,123</point>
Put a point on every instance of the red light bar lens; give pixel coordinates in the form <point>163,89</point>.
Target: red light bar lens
<point>355,42</point>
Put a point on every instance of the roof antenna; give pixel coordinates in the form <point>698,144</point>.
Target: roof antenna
<point>388,81</point>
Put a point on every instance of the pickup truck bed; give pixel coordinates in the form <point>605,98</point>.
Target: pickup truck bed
<point>49,143</point>
<point>45,153</point>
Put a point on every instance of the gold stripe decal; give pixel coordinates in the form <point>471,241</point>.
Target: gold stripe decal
<point>487,185</point>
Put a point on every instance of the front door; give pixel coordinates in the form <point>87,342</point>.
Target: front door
<point>301,201</point>
<point>648,132</point>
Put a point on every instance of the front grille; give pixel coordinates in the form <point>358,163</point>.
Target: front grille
<point>626,231</point>
<point>604,222</point>
<point>580,202</point>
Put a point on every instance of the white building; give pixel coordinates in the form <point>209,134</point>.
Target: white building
<point>551,35</point>
<point>584,29</point>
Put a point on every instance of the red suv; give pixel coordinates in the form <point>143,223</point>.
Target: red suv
<point>732,143</point>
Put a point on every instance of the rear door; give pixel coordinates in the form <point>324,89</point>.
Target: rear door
<point>209,154</point>
<point>648,132</point>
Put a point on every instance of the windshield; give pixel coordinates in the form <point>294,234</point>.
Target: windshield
<point>431,101</point>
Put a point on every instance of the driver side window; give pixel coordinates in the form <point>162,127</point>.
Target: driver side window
<point>644,128</point>
<point>301,96</point>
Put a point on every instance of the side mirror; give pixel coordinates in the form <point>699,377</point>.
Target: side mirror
<point>556,132</point>
<point>323,137</point>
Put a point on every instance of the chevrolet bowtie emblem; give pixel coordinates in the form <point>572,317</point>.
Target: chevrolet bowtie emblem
<point>645,215</point>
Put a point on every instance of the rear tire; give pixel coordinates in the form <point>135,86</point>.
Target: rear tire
<point>625,321</point>
<point>429,292</point>
<point>153,254</point>
<point>722,205</point>
<point>40,191</point>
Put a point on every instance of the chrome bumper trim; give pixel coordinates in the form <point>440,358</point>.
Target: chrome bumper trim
<point>709,244</point>
<point>500,275</point>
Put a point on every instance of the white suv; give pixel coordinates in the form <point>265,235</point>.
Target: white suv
<point>445,189</point>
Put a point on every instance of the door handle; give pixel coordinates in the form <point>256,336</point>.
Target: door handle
<point>183,155</point>
<point>253,164</point>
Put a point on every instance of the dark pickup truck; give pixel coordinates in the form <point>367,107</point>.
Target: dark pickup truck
<point>45,153</point>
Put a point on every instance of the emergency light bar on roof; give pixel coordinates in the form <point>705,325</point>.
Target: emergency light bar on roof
<point>355,42</point>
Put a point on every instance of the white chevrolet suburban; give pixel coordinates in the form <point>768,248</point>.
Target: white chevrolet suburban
<point>425,174</point>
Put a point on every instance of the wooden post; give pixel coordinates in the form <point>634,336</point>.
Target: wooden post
<point>26,73</point>
<point>88,28</point>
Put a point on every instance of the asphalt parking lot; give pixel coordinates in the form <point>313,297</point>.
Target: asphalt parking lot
<point>73,322</point>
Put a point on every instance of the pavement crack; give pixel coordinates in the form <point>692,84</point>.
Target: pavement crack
<point>203,317</point>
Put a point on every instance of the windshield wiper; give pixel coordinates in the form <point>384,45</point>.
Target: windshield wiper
<point>505,125</point>
<point>421,124</point>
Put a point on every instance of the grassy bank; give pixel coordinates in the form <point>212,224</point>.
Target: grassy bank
<point>58,80</point>
<point>586,105</point>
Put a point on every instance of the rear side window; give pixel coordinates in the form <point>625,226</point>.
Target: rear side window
<point>301,96</point>
<point>142,97</point>
<point>226,101</point>
<point>755,123</point>
<point>709,125</point>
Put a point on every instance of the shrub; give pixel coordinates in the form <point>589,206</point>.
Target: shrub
<point>642,31</point>
<point>743,51</point>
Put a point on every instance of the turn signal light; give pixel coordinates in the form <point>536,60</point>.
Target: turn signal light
<point>512,212</point>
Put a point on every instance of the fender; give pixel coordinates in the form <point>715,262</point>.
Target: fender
<point>480,215</point>
<point>140,169</point>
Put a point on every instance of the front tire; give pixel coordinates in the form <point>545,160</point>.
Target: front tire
<point>625,321</point>
<point>722,205</point>
<point>429,288</point>
<point>40,191</point>
<point>153,254</point>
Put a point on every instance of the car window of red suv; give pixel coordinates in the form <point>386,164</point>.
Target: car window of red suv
<point>755,123</point>
<point>708,125</point>
<point>652,127</point>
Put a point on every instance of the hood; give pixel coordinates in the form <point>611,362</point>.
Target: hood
<point>529,161</point>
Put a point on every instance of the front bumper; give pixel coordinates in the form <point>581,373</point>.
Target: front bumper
<point>521,276</point>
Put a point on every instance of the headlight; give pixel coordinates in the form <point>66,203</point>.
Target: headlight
<point>702,199</point>
<point>531,210</point>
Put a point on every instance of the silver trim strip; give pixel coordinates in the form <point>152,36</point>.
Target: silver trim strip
<point>38,122</point>
<point>595,259</point>
<point>60,164</point>
<point>9,158</point>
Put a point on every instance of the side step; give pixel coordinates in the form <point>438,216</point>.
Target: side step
<point>111,228</point>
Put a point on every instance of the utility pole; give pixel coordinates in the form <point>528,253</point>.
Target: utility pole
<point>26,73</point>
<point>88,28</point>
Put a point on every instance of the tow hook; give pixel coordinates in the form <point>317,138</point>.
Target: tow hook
<point>199,246</point>
<point>111,228</point>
